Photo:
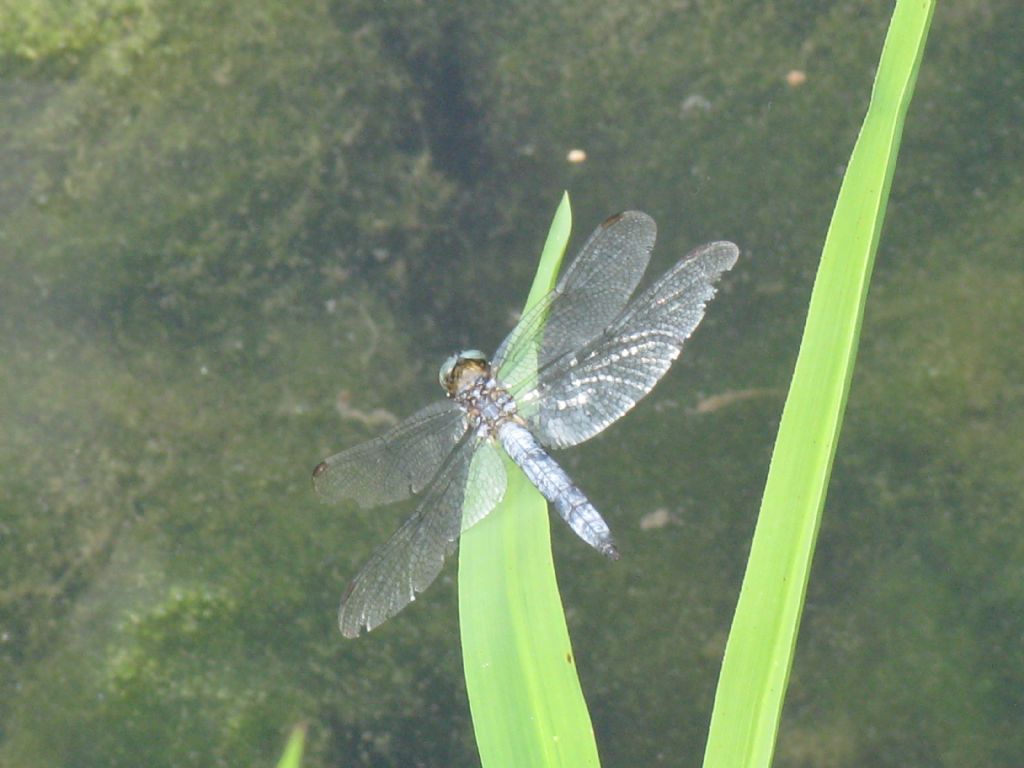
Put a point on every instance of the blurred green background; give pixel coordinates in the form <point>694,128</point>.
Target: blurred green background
<point>235,238</point>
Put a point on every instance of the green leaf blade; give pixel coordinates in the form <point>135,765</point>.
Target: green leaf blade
<point>759,652</point>
<point>292,756</point>
<point>525,697</point>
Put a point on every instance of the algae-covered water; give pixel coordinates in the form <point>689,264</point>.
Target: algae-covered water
<point>235,238</point>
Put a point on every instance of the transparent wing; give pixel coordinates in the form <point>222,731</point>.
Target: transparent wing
<point>412,558</point>
<point>486,484</point>
<point>591,292</point>
<point>579,394</point>
<point>395,465</point>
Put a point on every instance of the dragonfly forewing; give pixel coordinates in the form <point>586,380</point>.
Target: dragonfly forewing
<point>577,396</point>
<point>395,465</point>
<point>589,295</point>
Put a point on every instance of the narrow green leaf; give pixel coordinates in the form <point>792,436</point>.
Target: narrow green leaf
<point>759,652</point>
<point>524,694</point>
<point>292,757</point>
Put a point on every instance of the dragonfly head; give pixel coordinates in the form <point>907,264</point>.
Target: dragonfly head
<point>462,370</point>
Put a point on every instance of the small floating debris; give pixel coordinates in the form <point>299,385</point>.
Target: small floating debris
<point>694,104</point>
<point>713,403</point>
<point>795,78</point>
<point>372,418</point>
<point>652,521</point>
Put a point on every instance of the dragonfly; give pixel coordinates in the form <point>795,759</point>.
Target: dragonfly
<point>575,362</point>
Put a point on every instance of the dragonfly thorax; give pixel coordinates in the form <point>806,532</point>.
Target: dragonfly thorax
<point>488,405</point>
<point>469,380</point>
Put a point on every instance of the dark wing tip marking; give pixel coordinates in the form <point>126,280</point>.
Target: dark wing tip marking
<point>318,472</point>
<point>613,219</point>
